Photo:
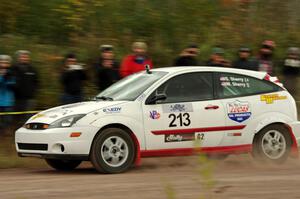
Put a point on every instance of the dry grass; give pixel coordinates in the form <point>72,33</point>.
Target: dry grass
<point>8,154</point>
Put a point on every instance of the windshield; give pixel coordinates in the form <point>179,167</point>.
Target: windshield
<point>129,88</point>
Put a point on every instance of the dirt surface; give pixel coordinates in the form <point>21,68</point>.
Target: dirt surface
<point>235,177</point>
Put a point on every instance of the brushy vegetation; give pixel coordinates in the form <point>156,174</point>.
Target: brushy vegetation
<point>50,29</point>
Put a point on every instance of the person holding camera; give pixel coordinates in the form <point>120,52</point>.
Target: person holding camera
<point>72,79</point>
<point>217,58</point>
<point>107,68</point>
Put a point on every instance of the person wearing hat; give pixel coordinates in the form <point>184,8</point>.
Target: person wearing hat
<point>26,81</point>
<point>265,62</point>
<point>107,68</point>
<point>217,58</point>
<point>244,60</point>
<point>7,83</point>
<point>137,61</point>
<point>188,56</point>
<point>291,69</point>
<point>72,79</point>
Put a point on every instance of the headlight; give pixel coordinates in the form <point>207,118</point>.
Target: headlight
<point>66,121</point>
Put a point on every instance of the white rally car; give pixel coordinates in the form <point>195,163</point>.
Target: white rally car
<point>163,112</point>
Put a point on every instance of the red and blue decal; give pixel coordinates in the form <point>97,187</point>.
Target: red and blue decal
<point>154,115</point>
<point>238,111</point>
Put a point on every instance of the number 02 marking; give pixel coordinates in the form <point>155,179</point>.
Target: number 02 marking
<point>183,118</point>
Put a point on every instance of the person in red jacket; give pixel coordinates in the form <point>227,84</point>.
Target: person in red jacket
<point>137,61</point>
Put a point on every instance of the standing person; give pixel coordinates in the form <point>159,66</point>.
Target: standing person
<point>7,83</point>
<point>291,70</point>
<point>135,62</point>
<point>265,62</point>
<point>245,61</point>
<point>107,68</point>
<point>26,81</point>
<point>188,57</point>
<point>217,58</point>
<point>72,79</point>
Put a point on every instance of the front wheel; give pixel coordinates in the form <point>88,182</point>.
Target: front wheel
<point>113,151</point>
<point>63,165</point>
<point>272,143</point>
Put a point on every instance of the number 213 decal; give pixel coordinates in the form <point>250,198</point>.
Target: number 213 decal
<point>182,119</point>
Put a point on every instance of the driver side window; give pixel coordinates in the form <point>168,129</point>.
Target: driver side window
<point>188,87</point>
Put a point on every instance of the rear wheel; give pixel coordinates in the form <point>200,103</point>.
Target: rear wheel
<point>272,143</point>
<point>63,165</point>
<point>113,151</point>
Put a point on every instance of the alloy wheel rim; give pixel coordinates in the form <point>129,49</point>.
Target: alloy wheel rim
<point>273,144</point>
<point>114,151</point>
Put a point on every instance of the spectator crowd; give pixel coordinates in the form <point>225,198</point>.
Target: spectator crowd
<point>19,80</point>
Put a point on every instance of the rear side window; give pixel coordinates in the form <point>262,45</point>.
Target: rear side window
<point>234,85</point>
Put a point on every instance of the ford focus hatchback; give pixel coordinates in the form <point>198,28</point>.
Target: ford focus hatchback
<point>163,112</point>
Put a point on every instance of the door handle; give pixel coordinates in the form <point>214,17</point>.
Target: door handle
<point>209,107</point>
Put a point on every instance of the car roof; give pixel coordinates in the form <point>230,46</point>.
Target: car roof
<point>185,69</point>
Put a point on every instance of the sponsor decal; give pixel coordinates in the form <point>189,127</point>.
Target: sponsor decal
<point>53,116</point>
<point>238,111</point>
<point>66,111</point>
<point>184,137</point>
<point>187,107</point>
<point>112,110</point>
<point>154,115</point>
<point>269,99</point>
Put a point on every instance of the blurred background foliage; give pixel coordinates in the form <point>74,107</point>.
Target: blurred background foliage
<point>50,29</point>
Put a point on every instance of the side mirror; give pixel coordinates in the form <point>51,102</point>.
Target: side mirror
<point>156,98</point>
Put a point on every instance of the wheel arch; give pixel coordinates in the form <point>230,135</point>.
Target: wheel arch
<point>127,130</point>
<point>294,148</point>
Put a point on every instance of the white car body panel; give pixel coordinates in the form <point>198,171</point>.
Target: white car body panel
<point>140,119</point>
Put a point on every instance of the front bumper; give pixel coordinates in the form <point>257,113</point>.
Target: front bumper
<point>55,143</point>
<point>56,156</point>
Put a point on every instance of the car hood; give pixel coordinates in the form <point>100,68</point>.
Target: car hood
<point>50,115</point>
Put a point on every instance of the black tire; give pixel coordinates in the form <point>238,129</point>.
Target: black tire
<point>100,148</point>
<point>63,165</point>
<point>258,151</point>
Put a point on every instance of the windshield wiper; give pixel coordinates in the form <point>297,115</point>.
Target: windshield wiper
<point>105,98</point>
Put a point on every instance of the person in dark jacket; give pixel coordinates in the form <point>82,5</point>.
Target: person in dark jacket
<point>72,79</point>
<point>26,81</point>
<point>107,68</point>
<point>7,83</point>
<point>217,58</point>
<point>188,56</point>
<point>244,60</point>
<point>291,70</point>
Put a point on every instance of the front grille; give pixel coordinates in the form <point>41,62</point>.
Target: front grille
<point>36,126</point>
<point>28,146</point>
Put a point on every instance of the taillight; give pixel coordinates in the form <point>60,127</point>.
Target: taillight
<point>273,79</point>
<point>267,77</point>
